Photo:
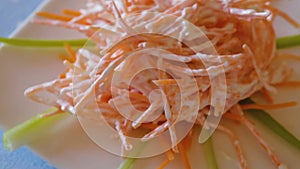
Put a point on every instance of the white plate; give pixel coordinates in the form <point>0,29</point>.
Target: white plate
<point>70,148</point>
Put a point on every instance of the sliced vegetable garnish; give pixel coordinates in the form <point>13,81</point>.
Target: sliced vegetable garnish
<point>288,41</point>
<point>42,43</point>
<point>127,163</point>
<point>32,129</point>
<point>283,42</point>
<point>210,154</point>
<point>273,125</point>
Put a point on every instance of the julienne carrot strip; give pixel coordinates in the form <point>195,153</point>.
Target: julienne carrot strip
<point>232,117</point>
<point>269,107</point>
<point>294,40</point>
<point>164,82</point>
<point>283,15</point>
<point>164,164</point>
<point>289,84</point>
<point>54,16</point>
<point>71,53</point>
<point>149,126</point>
<point>187,141</point>
<point>170,155</point>
<point>59,17</point>
<point>184,156</point>
<point>267,96</point>
<point>71,12</point>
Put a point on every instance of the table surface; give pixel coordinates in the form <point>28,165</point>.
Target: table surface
<point>12,14</point>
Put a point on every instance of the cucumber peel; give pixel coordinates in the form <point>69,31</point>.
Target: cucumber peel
<point>210,154</point>
<point>282,42</point>
<point>268,121</point>
<point>287,41</point>
<point>127,163</point>
<point>42,43</point>
<point>32,129</point>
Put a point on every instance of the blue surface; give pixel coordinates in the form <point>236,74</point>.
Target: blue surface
<point>12,13</point>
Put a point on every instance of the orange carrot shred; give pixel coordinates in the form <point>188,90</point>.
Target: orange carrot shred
<point>150,126</point>
<point>170,155</point>
<point>164,82</point>
<point>71,12</point>
<point>269,107</point>
<point>289,84</point>
<point>267,96</point>
<point>62,76</point>
<point>54,16</point>
<point>232,117</point>
<point>290,56</point>
<point>187,141</point>
<point>283,15</point>
<point>184,156</point>
<point>71,53</point>
<point>164,164</point>
<point>60,17</point>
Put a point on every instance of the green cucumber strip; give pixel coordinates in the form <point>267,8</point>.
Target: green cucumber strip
<point>127,163</point>
<point>210,154</point>
<point>42,43</point>
<point>32,129</point>
<point>288,41</point>
<point>283,42</point>
<point>264,118</point>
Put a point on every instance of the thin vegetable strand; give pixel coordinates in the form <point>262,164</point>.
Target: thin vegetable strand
<point>264,118</point>
<point>31,129</point>
<point>283,42</point>
<point>288,41</point>
<point>127,163</point>
<point>42,43</point>
<point>210,154</point>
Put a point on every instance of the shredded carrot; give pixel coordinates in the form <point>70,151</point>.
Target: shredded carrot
<point>289,84</point>
<point>71,53</point>
<point>71,12</point>
<point>249,3</point>
<point>269,107</point>
<point>267,96</point>
<point>283,15</point>
<point>164,82</point>
<point>138,96</point>
<point>232,117</point>
<point>187,141</point>
<point>64,57</point>
<point>164,164</point>
<point>170,155</point>
<point>62,75</point>
<point>290,56</point>
<point>59,17</point>
<point>54,16</point>
<point>184,156</point>
<point>150,126</point>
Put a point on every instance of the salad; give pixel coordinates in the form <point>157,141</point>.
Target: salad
<point>153,68</point>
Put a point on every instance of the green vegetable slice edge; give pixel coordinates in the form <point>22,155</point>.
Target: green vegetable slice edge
<point>210,154</point>
<point>268,121</point>
<point>42,43</point>
<point>282,42</point>
<point>31,129</point>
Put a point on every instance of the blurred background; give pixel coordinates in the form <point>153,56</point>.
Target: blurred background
<point>12,14</point>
